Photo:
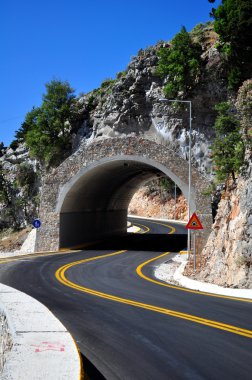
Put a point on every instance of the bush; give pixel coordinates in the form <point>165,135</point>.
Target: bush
<point>26,177</point>
<point>244,106</point>
<point>107,82</point>
<point>180,64</point>
<point>121,74</point>
<point>228,146</point>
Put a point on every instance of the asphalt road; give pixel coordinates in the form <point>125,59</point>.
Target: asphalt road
<point>130,327</point>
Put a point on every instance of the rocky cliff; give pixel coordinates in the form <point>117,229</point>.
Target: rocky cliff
<point>130,105</point>
<point>157,204</point>
<point>227,257</point>
<point>20,178</point>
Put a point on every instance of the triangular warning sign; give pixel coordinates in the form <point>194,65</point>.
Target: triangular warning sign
<point>194,223</point>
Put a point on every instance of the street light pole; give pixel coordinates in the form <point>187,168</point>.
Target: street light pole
<point>175,197</point>
<point>189,161</point>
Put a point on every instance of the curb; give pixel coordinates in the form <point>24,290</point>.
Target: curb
<point>206,287</point>
<point>42,347</point>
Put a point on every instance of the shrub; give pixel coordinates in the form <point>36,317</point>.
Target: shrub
<point>228,146</point>
<point>180,64</point>
<point>107,82</point>
<point>26,177</point>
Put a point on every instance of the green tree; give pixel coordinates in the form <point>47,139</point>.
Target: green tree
<point>228,146</point>
<point>233,23</point>
<point>30,122</point>
<point>46,129</point>
<point>180,63</point>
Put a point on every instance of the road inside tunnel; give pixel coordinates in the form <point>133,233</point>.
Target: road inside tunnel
<point>94,205</point>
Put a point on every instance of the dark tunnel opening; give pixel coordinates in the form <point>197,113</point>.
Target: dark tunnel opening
<point>95,205</point>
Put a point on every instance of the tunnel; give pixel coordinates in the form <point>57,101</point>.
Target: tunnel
<point>93,205</point>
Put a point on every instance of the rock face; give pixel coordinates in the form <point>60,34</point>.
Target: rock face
<point>229,248</point>
<point>20,208</point>
<point>228,253</point>
<point>155,205</point>
<point>131,105</point>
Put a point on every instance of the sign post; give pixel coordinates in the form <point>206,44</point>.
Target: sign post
<point>194,224</point>
<point>36,224</point>
<point>194,251</point>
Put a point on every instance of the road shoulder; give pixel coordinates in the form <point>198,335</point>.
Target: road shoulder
<point>42,348</point>
<point>172,272</point>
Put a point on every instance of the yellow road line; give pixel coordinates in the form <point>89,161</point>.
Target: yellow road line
<point>183,252</point>
<point>147,229</point>
<point>140,273</point>
<point>173,229</point>
<point>61,277</point>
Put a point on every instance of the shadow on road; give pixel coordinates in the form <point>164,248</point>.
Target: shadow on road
<point>148,242</point>
<point>90,371</point>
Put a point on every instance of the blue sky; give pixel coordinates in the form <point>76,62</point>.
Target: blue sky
<point>81,41</point>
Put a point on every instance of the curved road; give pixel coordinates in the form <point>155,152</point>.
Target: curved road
<point>131,326</point>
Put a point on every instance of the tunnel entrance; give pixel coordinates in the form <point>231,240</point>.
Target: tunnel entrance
<point>94,204</point>
<point>87,196</point>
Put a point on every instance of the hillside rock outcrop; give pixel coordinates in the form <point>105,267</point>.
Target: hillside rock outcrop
<point>228,260</point>
<point>228,253</point>
<point>130,105</point>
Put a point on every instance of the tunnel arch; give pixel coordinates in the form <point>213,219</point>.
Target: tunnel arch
<point>94,203</point>
<point>87,196</point>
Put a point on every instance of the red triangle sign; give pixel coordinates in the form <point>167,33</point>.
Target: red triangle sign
<point>194,223</point>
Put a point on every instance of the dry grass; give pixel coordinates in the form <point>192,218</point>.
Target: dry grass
<point>12,240</point>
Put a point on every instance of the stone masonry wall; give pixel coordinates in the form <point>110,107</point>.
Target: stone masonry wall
<point>48,238</point>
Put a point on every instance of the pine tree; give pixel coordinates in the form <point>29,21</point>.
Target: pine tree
<point>180,63</point>
<point>46,130</point>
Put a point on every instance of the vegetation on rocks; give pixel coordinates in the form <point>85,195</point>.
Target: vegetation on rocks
<point>228,146</point>
<point>233,23</point>
<point>180,63</point>
<point>18,196</point>
<point>244,107</point>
